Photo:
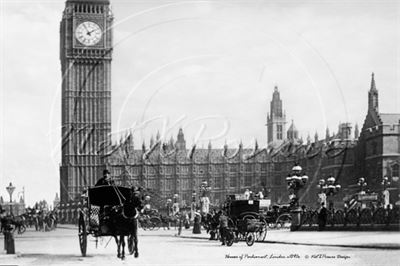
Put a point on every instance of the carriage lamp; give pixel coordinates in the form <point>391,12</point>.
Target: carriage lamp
<point>362,183</point>
<point>10,189</point>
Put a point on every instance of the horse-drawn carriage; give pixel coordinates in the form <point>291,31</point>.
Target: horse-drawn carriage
<point>109,211</point>
<point>245,221</point>
<point>278,217</point>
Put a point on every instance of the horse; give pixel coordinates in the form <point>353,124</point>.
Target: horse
<point>210,222</point>
<point>124,222</point>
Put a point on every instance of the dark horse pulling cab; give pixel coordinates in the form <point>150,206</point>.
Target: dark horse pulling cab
<point>110,211</point>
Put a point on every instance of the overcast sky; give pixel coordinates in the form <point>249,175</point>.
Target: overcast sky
<point>210,65</point>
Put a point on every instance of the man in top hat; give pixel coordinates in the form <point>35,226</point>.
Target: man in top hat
<point>105,180</point>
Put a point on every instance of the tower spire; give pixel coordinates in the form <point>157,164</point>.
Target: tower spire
<point>373,103</point>
<point>276,119</point>
<point>373,86</point>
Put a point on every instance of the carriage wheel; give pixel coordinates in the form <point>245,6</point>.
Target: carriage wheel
<point>262,233</point>
<point>82,235</point>
<point>230,238</point>
<point>131,244</point>
<point>284,220</point>
<point>250,238</point>
<point>155,223</point>
<point>21,229</point>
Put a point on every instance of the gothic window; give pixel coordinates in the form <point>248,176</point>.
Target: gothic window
<point>395,170</point>
<point>263,167</point>
<point>218,182</point>
<point>248,167</point>
<point>247,181</point>
<point>151,183</point>
<point>201,170</point>
<point>277,180</point>
<point>279,130</point>
<point>169,184</point>
<point>184,184</point>
<point>232,181</point>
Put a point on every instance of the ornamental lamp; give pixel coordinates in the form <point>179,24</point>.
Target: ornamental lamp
<point>10,189</point>
<point>331,180</point>
<point>385,181</point>
<point>304,178</point>
<point>361,181</point>
<point>296,168</point>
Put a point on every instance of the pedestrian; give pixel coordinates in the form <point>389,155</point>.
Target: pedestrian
<point>247,194</point>
<point>196,222</point>
<point>322,217</point>
<point>223,226</point>
<point>180,222</point>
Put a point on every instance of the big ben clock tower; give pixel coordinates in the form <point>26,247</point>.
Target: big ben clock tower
<point>85,54</point>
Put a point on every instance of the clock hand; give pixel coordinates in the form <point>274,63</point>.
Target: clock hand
<point>84,25</point>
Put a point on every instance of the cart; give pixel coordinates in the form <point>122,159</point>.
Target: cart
<point>99,205</point>
<point>245,221</point>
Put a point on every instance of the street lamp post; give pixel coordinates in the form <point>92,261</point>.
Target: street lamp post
<point>328,189</point>
<point>385,192</point>
<point>9,244</point>
<point>10,190</point>
<point>296,180</point>
<point>362,183</point>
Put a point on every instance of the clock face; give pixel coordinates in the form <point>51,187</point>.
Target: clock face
<point>88,33</point>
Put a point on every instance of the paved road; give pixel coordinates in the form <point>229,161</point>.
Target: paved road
<point>161,247</point>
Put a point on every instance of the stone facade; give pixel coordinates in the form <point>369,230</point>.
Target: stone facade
<point>379,146</point>
<point>171,168</point>
<point>86,93</point>
<point>166,168</point>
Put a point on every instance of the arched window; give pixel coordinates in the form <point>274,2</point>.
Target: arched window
<point>395,170</point>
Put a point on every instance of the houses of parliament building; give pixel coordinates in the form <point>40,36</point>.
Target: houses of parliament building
<point>166,169</point>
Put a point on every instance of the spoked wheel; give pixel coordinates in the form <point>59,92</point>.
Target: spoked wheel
<point>260,235</point>
<point>250,238</point>
<point>230,238</point>
<point>283,221</point>
<point>82,235</point>
<point>21,229</point>
<point>131,244</point>
<point>155,223</point>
